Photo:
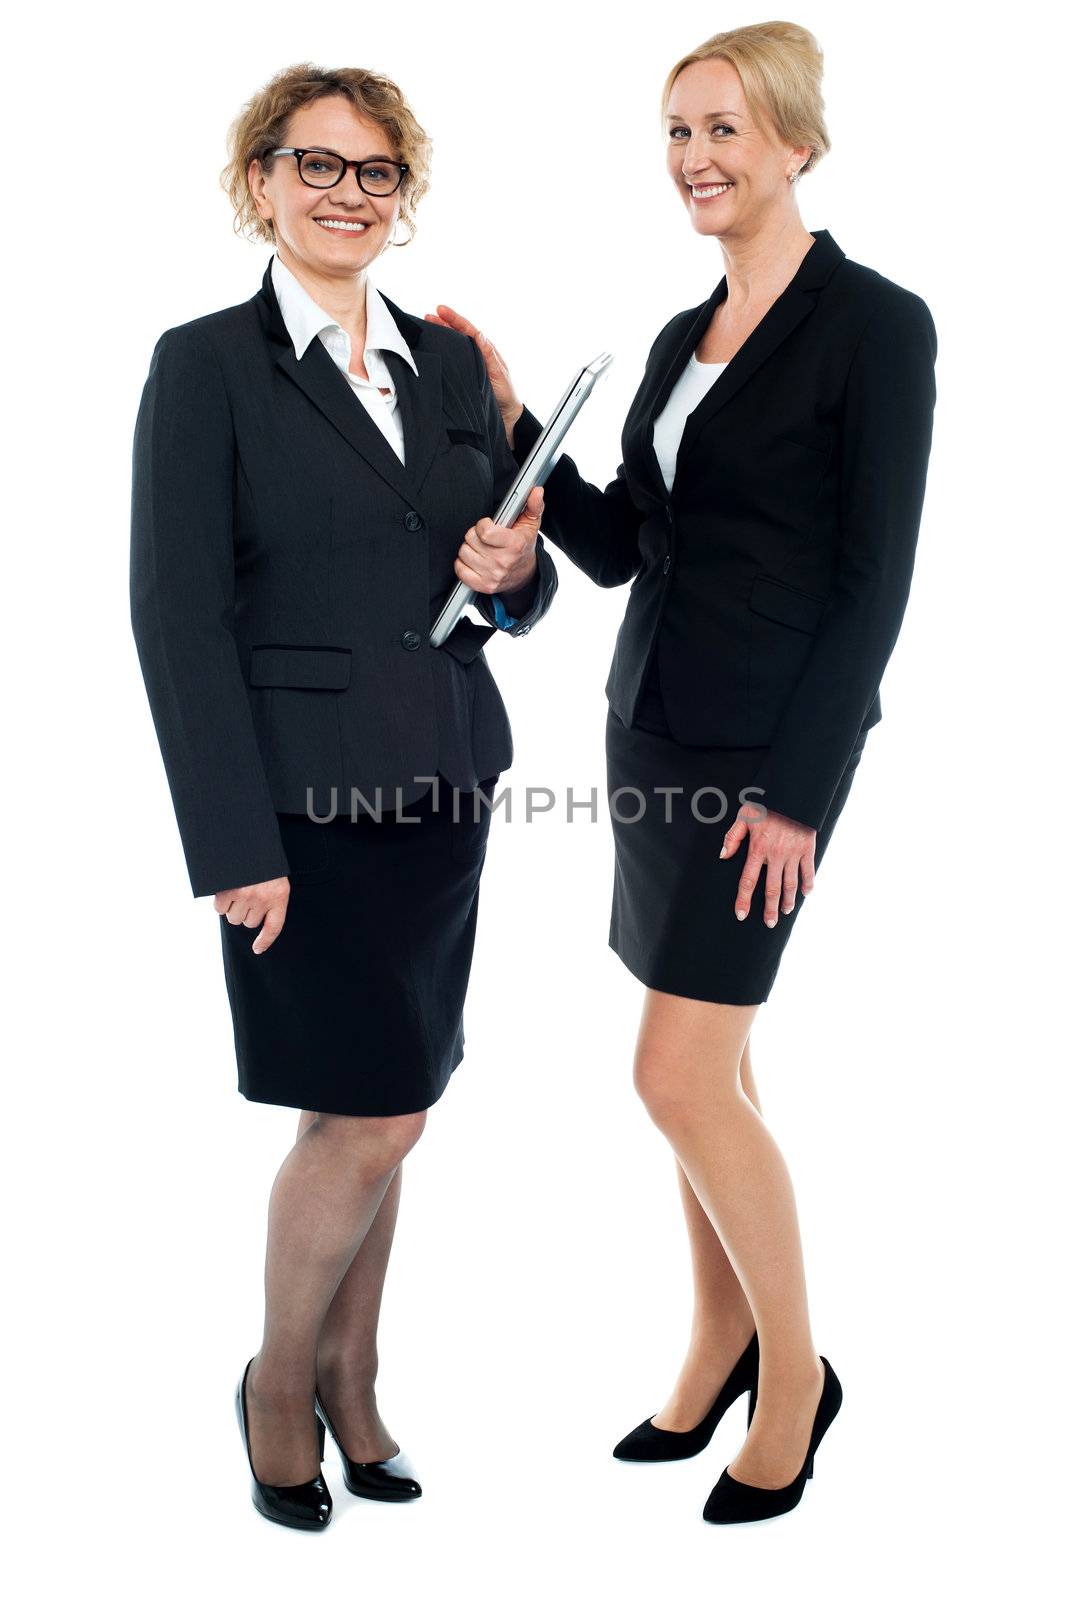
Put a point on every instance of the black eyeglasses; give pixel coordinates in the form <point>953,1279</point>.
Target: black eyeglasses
<point>323,169</point>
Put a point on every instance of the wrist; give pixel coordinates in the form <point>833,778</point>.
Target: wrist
<point>510,421</point>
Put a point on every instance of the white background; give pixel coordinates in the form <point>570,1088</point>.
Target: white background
<point>908,1059</point>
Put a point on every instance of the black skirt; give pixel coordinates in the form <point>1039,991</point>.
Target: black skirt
<point>673,920</point>
<point>357,1006</point>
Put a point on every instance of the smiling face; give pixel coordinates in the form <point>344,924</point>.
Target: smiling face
<point>730,175</point>
<point>301,215</point>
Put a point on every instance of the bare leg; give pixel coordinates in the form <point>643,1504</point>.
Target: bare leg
<point>687,1072</point>
<point>322,1205</point>
<point>722,1320</point>
<point>347,1343</point>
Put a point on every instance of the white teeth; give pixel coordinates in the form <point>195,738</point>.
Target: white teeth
<point>343,227</point>
<point>717,188</point>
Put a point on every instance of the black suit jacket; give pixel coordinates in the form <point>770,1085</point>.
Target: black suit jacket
<point>285,569</point>
<point>773,578</point>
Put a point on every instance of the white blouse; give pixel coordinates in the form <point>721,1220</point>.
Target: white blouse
<point>694,382</point>
<point>304,318</point>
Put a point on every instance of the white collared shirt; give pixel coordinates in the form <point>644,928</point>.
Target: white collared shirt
<point>305,319</point>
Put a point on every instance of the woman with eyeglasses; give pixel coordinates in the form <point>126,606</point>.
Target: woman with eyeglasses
<point>765,517</point>
<point>313,470</point>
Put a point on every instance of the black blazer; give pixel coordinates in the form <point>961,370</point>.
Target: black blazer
<point>285,569</point>
<point>774,577</point>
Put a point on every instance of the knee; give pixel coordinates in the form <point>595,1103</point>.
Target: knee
<point>676,1090</point>
<point>378,1144</point>
<point>659,1084</point>
<point>395,1137</point>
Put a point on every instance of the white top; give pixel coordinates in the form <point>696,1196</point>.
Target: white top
<point>304,318</point>
<point>694,382</point>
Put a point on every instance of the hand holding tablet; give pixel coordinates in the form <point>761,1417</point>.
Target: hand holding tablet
<point>534,471</point>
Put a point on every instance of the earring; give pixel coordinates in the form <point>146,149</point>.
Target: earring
<point>402,242</point>
<point>792,176</point>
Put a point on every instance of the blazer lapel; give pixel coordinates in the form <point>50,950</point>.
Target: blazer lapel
<point>419,398</point>
<point>669,371</point>
<point>788,310</point>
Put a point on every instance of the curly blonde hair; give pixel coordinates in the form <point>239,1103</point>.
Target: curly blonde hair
<point>779,65</point>
<point>261,126</point>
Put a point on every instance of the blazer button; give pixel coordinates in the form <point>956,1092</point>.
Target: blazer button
<point>667,563</point>
<point>411,640</point>
<point>413,521</point>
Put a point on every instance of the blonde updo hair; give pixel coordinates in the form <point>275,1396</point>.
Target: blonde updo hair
<point>261,124</point>
<point>779,65</point>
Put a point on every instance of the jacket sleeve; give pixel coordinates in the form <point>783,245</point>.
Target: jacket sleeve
<point>886,438</point>
<point>182,595</point>
<point>527,605</point>
<point>597,528</point>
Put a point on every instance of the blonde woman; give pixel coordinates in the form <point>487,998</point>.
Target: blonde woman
<point>313,469</point>
<point>765,516</point>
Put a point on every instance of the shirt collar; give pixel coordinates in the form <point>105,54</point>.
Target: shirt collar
<point>304,317</point>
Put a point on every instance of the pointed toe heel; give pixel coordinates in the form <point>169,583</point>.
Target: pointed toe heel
<point>392,1480</point>
<point>296,1505</point>
<point>648,1443</point>
<point>733,1501</point>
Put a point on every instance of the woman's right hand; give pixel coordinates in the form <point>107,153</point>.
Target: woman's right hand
<point>251,904</point>
<point>498,373</point>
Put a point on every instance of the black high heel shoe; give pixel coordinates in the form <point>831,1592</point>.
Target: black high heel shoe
<point>733,1501</point>
<point>296,1505</point>
<point>374,1480</point>
<point>648,1443</point>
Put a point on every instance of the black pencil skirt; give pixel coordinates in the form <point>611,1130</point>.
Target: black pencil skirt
<point>673,921</point>
<point>357,1006</point>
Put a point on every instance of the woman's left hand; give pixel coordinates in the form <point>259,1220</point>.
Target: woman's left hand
<point>784,847</point>
<point>495,560</point>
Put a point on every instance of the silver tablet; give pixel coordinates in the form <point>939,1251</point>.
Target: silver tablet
<point>535,470</point>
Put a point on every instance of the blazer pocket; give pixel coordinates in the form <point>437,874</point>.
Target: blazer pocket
<point>300,666</point>
<point>468,436</point>
<point>781,603</point>
<point>822,450</point>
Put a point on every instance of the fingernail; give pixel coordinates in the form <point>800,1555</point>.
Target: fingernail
<point>772,924</point>
<point>721,852</point>
<point>741,915</point>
